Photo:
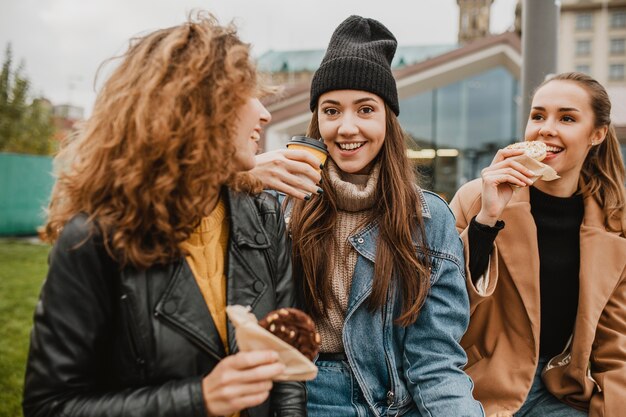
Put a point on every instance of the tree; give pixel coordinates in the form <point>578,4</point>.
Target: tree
<point>26,124</point>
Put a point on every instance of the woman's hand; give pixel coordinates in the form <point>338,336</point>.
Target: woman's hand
<point>240,381</point>
<point>499,180</point>
<point>293,172</point>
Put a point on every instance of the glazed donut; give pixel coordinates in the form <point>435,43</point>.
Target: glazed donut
<point>535,149</point>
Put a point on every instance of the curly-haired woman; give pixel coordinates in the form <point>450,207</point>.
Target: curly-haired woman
<point>154,237</point>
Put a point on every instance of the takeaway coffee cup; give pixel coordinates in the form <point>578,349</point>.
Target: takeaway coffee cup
<point>314,146</point>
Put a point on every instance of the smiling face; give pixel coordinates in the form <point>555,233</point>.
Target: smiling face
<point>561,116</point>
<point>251,118</point>
<point>353,126</point>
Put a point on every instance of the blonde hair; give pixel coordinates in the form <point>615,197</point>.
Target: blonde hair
<point>157,148</point>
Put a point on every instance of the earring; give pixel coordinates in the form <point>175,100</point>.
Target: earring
<point>594,143</point>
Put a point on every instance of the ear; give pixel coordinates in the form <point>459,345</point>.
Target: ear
<point>598,135</point>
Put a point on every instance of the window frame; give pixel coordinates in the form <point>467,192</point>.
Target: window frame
<point>584,21</point>
<point>578,51</point>
<point>612,76</point>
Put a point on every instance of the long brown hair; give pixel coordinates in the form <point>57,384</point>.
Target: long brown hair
<point>602,175</point>
<point>397,210</point>
<point>157,149</point>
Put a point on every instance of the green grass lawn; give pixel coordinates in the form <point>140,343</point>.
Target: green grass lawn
<point>23,268</point>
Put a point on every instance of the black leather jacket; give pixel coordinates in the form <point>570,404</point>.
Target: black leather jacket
<point>107,342</point>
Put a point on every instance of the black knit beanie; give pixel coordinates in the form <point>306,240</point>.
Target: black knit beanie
<point>358,57</point>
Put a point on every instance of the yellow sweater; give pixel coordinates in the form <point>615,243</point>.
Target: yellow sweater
<point>207,247</point>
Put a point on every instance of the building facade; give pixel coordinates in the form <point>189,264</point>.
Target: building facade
<point>592,39</point>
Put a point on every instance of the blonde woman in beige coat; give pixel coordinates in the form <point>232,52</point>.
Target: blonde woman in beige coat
<point>547,265</point>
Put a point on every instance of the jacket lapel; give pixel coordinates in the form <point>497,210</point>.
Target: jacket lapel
<point>520,232</point>
<point>246,232</point>
<point>364,242</point>
<point>602,260</point>
<point>183,306</point>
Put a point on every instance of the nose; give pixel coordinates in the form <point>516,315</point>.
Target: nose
<point>547,128</point>
<point>264,115</point>
<point>347,126</point>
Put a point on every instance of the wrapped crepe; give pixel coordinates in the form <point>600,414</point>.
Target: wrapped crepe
<point>250,337</point>
<point>542,171</point>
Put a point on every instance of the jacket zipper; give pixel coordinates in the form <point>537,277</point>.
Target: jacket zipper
<point>133,333</point>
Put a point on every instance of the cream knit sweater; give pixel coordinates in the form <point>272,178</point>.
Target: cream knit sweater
<point>355,198</point>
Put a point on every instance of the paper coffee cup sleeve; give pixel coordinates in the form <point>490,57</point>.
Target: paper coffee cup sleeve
<point>250,337</point>
<point>542,171</point>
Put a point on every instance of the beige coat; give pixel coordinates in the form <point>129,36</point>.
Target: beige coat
<point>502,341</point>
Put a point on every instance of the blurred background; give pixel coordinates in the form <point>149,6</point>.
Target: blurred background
<point>464,70</point>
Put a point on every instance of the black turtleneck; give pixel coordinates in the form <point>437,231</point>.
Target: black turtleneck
<point>558,237</point>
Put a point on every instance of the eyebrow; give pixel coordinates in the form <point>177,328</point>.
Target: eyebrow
<point>358,101</point>
<point>561,110</point>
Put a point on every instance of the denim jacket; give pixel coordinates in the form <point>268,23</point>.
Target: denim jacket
<point>414,370</point>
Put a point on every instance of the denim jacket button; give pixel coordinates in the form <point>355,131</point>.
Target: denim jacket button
<point>390,397</point>
<point>360,240</point>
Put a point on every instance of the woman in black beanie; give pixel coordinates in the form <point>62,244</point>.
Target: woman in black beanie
<point>378,261</point>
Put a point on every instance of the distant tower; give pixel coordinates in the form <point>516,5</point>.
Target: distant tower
<point>517,26</point>
<point>473,19</point>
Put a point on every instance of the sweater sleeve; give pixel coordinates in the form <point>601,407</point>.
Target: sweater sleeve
<point>481,238</point>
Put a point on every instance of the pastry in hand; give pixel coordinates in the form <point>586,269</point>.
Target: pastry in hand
<point>294,327</point>
<point>535,149</point>
<point>534,152</point>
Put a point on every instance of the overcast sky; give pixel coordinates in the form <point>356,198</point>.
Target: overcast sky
<point>62,42</point>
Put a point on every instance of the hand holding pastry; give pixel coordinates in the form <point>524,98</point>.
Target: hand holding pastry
<point>497,179</point>
<point>287,331</point>
<point>240,381</point>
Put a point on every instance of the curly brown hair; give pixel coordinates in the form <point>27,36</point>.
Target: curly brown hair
<point>157,149</point>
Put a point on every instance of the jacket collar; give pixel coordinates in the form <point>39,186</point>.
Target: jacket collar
<point>182,303</point>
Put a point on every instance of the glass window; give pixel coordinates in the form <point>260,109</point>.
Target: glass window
<point>584,68</point>
<point>618,19</point>
<point>616,72</point>
<point>459,127</point>
<point>618,46</point>
<point>416,118</point>
<point>584,21</point>
<point>583,48</point>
